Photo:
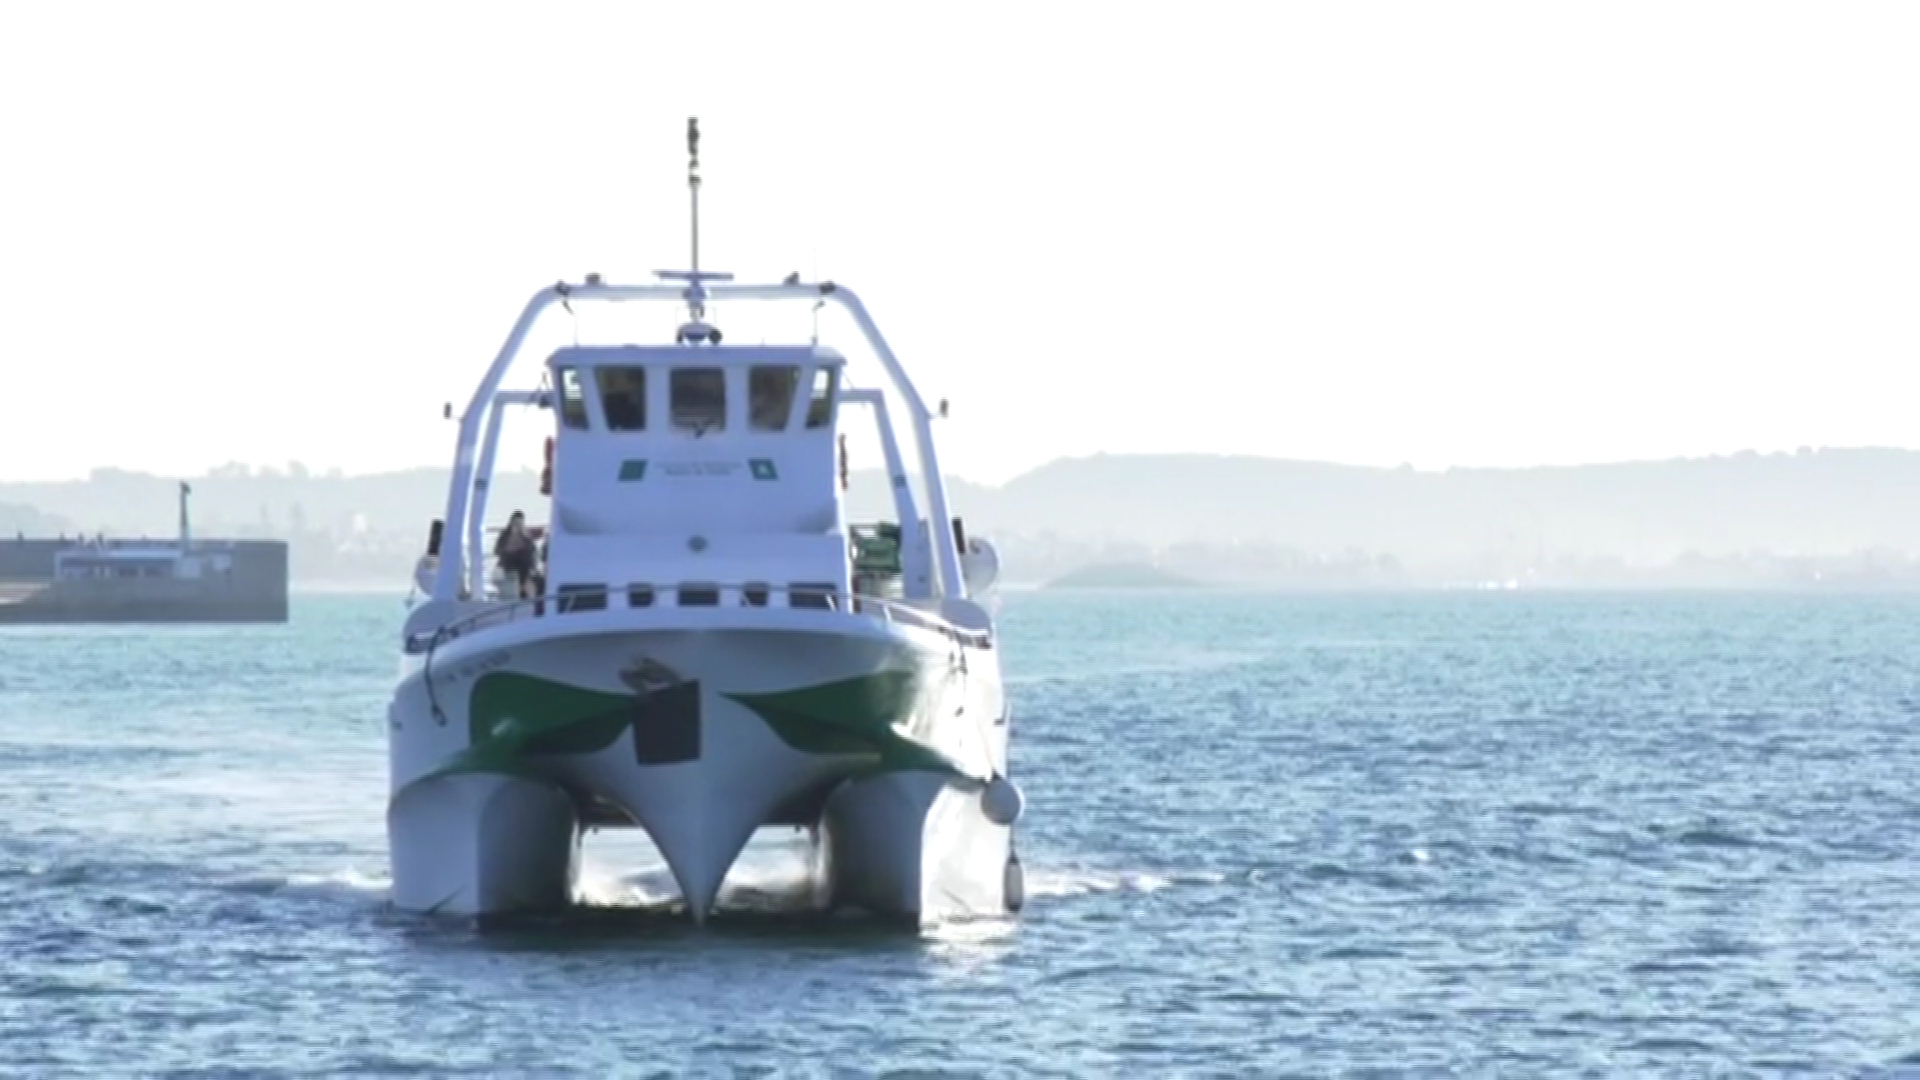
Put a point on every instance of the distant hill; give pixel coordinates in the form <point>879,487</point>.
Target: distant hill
<point>1379,524</point>
<point>1121,576</point>
<point>31,521</point>
<point>1813,502</point>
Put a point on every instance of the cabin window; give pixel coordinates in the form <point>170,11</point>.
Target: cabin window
<point>820,408</point>
<point>623,397</point>
<point>573,402</point>
<point>699,397</point>
<point>582,598</point>
<point>770,391</point>
<point>810,594</point>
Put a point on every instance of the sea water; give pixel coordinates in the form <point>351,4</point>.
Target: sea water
<point>1437,835</point>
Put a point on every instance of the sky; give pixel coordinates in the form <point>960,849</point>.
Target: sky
<point>1470,234</point>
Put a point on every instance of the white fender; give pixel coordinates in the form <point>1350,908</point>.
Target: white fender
<point>1013,884</point>
<point>1001,801</point>
<point>980,565</point>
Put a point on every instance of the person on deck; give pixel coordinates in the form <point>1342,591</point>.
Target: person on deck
<point>514,551</point>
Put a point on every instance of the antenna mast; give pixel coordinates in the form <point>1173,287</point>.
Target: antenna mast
<point>693,192</point>
<point>696,328</point>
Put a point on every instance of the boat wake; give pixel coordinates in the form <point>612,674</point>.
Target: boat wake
<point>772,885</point>
<point>346,883</point>
<point>1044,884</point>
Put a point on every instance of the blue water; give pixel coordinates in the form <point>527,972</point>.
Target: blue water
<point>1267,835</point>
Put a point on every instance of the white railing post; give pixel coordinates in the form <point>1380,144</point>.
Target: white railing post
<point>446,581</point>
<point>953,583</point>
<point>482,488</point>
<point>457,529</point>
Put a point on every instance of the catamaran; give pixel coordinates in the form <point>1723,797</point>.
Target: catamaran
<point>708,647</point>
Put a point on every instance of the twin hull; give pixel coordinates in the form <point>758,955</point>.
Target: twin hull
<point>888,739</point>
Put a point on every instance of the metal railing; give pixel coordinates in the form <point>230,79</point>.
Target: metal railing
<point>568,600</point>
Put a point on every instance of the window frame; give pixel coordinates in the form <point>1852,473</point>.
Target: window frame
<point>674,420</point>
<point>601,391</point>
<point>564,409</point>
<point>792,395</point>
<point>822,409</point>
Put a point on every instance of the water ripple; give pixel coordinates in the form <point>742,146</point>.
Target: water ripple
<point>1268,836</point>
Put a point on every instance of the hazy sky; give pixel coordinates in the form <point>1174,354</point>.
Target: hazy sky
<point>1447,234</point>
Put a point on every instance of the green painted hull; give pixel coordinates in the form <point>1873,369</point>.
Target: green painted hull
<point>699,737</point>
<point>518,722</point>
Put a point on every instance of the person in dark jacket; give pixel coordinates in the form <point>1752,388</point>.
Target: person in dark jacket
<point>515,552</point>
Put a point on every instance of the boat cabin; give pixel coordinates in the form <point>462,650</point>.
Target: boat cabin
<point>98,561</point>
<point>103,560</point>
<point>696,475</point>
<point>95,564</point>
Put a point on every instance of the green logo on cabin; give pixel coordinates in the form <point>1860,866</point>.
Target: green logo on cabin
<point>633,469</point>
<point>762,468</point>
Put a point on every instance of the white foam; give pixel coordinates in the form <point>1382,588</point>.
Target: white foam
<point>635,876</point>
<point>1064,883</point>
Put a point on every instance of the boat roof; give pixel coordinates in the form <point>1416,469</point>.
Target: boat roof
<point>695,355</point>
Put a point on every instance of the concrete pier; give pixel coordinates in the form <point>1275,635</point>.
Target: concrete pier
<point>252,589</point>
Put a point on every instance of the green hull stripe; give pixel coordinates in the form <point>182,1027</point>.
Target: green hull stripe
<point>556,718</point>
<point>516,718</point>
<point>864,714</point>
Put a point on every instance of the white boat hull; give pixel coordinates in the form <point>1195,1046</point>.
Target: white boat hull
<point>732,652</point>
<point>911,845</point>
<point>474,843</point>
<point>883,737</point>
